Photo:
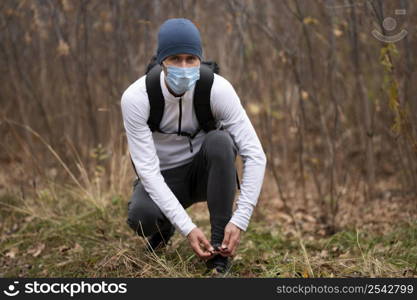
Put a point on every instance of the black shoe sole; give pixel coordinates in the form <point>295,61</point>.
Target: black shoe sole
<point>162,243</point>
<point>218,266</point>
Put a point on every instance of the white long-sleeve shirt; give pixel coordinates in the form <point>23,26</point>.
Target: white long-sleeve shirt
<point>152,152</point>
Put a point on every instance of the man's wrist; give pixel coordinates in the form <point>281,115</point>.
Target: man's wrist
<point>240,226</point>
<point>241,217</point>
<point>188,230</point>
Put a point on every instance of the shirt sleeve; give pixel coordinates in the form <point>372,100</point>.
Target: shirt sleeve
<point>227,108</point>
<point>135,110</point>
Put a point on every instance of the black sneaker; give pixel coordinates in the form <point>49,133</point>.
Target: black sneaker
<point>218,264</point>
<point>159,240</point>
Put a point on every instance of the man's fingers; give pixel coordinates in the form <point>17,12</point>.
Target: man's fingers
<point>233,243</point>
<point>236,244</point>
<point>203,252</point>
<point>225,243</point>
<point>200,244</point>
<point>206,247</point>
<point>206,244</point>
<point>198,250</point>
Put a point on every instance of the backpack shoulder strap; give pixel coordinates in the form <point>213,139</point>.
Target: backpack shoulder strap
<point>156,98</point>
<point>202,94</point>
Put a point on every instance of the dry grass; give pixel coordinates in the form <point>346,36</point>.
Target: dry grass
<point>56,232</point>
<point>74,226</point>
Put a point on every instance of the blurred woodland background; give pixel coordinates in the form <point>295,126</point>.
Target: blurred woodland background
<point>335,108</point>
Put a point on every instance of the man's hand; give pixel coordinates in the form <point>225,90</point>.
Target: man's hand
<point>200,244</point>
<point>231,240</point>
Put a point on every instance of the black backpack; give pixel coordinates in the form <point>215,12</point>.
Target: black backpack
<point>201,99</point>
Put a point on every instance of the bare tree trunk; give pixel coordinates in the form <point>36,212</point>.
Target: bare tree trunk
<point>89,104</point>
<point>360,90</point>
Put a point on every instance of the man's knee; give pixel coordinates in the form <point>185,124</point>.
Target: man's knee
<point>142,219</point>
<point>141,223</point>
<point>219,145</point>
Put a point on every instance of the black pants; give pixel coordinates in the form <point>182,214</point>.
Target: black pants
<point>210,176</point>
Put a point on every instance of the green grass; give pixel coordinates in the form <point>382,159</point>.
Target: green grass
<point>61,233</point>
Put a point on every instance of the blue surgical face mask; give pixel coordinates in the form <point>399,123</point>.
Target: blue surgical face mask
<point>180,79</point>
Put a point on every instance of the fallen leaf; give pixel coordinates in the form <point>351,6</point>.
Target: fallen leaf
<point>63,248</point>
<point>12,253</point>
<point>77,248</point>
<point>37,250</point>
<point>29,219</point>
<point>324,253</point>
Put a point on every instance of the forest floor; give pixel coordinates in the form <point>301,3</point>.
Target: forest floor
<point>58,231</point>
